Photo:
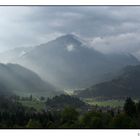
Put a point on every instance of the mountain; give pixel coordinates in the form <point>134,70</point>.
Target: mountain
<point>19,80</point>
<point>67,62</point>
<point>14,54</point>
<point>125,85</point>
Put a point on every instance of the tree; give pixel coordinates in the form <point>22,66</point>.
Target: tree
<point>33,124</point>
<point>95,120</point>
<point>130,107</point>
<point>138,107</point>
<point>42,98</point>
<point>69,116</point>
<point>30,98</point>
<point>121,121</point>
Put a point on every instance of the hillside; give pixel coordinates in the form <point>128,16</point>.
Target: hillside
<point>125,85</point>
<point>19,80</point>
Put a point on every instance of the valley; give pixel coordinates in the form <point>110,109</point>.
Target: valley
<point>67,65</point>
<point>64,67</point>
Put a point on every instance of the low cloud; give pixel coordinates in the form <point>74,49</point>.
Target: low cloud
<point>70,48</point>
<point>125,43</point>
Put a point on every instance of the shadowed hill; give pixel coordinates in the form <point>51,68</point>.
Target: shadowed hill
<point>125,85</point>
<point>17,79</point>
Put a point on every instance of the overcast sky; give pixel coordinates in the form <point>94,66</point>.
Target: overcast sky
<point>109,29</point>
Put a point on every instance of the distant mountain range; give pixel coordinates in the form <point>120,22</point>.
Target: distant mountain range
<point>125,85</point>
<point>15,79</point>
<point>14,54</point>
<point>68,63</point>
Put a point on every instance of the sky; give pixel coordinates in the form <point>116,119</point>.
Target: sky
<point>106,28</point>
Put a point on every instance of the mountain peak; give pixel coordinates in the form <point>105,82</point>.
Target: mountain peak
<point>69,38</point>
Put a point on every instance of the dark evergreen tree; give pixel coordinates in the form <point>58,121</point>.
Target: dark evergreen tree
<point>130,107</point>
<point>138,107</point>
<point>120,121</point>
<point>33,124</point>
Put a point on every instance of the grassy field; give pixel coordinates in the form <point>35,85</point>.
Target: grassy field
<point>112,103</point>
<point>38,105</point>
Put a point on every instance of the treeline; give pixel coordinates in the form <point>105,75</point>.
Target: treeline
<point>62,101</point>
<point>15,115</point>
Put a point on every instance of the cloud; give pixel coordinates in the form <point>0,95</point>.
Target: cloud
<point>109,28</point>
<point>70,48</point>
<point>125,43</point>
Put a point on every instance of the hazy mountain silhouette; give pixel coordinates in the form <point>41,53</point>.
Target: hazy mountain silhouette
<point>17,79</point>
<point>125,85</point>
<point>67,62</point>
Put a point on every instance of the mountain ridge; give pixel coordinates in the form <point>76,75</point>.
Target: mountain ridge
<point>123,86</point>
<point>17,79</point>
<point>68,63</point>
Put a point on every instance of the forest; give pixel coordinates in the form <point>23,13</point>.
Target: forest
<point>15,115</point>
